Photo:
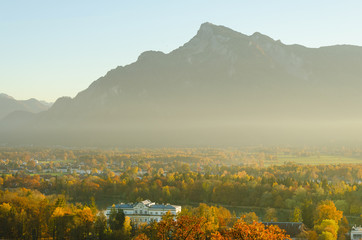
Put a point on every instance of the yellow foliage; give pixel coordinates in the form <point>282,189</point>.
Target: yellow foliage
<point>127,228</point>
<point>85,215</point>
<point>328,227</point>
<point>327,210</point>
<point>5,207</point>
<point>60,212</point>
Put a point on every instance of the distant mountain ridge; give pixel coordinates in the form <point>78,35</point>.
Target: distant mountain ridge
<point>219,80</point>
<point>9,105</point>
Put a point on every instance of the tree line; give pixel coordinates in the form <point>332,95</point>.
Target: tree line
<point>287,186</point>
<point>28,214</point>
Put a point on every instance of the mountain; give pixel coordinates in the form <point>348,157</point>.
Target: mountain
<point>221,87</point>
<point>8,105</point>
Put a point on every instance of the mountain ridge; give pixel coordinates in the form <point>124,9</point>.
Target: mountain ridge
<point>8,104</point>
<point>218,76</point>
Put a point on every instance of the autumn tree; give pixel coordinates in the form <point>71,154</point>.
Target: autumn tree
<point>209,213</point>
<point>327,229</point>
<point>270,215</point>
<point>184,228</point>
<point>250,217</point>
<point>256,230</point>
<point>83,223</point>
<point>297,215</point>
<point>62,220</point>
<point>327,210</point>
<point>141,236</point>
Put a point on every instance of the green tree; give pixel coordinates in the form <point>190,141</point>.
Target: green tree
<point>116,219</point>
<point>343,229</point>
<point>308,210</point>
<point>101,226</point>
<point>5,220</point>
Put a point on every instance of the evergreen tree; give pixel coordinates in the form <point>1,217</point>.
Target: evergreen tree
<point>116,219</point>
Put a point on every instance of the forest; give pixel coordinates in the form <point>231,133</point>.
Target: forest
<point>230,185</point>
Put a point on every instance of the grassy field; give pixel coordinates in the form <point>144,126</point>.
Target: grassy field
<point>49,174</point>
<point>315,160</point>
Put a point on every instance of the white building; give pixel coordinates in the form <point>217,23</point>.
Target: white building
<point>145,211</point>
<point>356,233</point>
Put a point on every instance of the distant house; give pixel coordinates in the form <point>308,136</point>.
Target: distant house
<point>293,229</point>
<point>47,170</point>
<point>117,173</point>
<point>145,211</point>
<point>62,170</point>
<point>80,171</point>
<point>356,233</point>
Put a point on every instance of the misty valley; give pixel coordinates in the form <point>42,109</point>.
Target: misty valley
<point>229,136</point>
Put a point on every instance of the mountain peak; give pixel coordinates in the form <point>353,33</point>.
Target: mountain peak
<point>218,39</point>
<point>208,30</point>
<point>207,27</point>
<point>261,37</point>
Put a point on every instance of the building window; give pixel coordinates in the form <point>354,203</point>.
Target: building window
<point>357,236</point>
<point>135,211</point>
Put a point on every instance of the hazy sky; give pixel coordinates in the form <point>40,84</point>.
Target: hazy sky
<point>50,48</point>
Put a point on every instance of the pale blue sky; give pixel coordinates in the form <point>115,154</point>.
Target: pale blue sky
<point>50,48</point>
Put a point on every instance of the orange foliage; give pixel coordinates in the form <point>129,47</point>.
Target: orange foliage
<point>141,236</point>
<point>256,230</point>
<point>327,210</point>
<point>186,228</point>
